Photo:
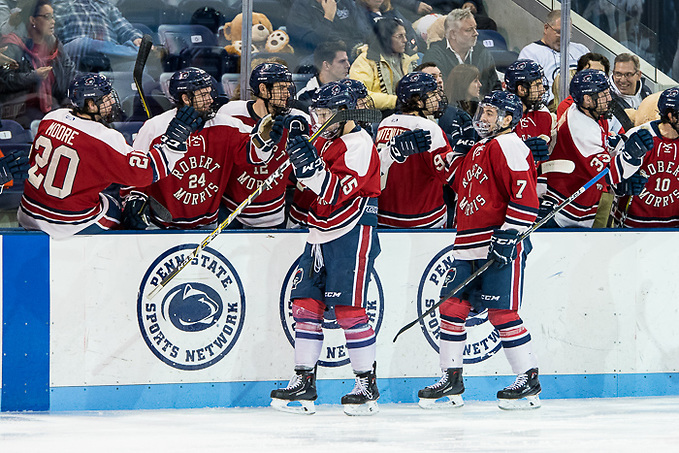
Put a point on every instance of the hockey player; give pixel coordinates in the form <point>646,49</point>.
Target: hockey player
<point>412,194</point>
<point>194,189</point>
<point>75,156</point>
<point>274,92</point>
<point>341,248</point>
<point>583,148</point>
<point>497,200</point>
<point>526,79</point>
<point>656,183</point>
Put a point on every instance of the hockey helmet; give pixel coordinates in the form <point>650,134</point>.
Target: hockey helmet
<point>268,74</point>
<point>363,99</point>
<point>669,101</point>
<point>419,84</point>
<point>97,88</point>
<point>587,81</point>
<point>330,98</point>
<point>504,103</point>
<point>188,80</point>
<point>524,73</point>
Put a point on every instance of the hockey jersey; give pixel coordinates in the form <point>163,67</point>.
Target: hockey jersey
<point>193,191</point>
<point>537,123</point>
<point>344,188</point>
<point>72,161</point>
<point>658,204</point>
<point>268,209</point>
<point>584,142</point>
<point>496,188</point>
<point>413,194</point>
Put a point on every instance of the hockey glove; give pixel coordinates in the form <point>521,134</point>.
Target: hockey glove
<point>503,246</point>
<point>636,146</point>
<point>186,121</point>
<point>268,132</point>
<point>297,125</point>
<point>303,157</point>
<point>545,208</point>
<point>633,185</point>
<point>538,147</point>
<point>136,212</point>
<point>409,143</point>
<point>14,166</point>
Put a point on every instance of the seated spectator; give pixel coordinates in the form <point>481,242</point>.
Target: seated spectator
<point>413,9</point>
<point>311,22</point>
<point>375,10</point>
<point>44,71</point>
<point>332,63</point>
<point>92,28</point>
<point>590,60</point>
<point>384,63</point>
<point>627,84</point>
<point>460,46</point>
<point>463,88</point>
<point>546,52</point>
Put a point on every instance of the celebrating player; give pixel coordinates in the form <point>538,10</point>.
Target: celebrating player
<point>193,191</point>
<point>413,177</point>
<point>656,184</point>
<point>274,92</point>
<point>75,156</point>
<point>342,245</point>
<point>583,149</point>
<point>497,201</point>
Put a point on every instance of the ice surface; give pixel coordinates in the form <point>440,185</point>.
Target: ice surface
<point>574,425</point>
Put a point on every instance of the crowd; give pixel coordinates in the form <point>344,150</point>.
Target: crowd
<point>457,147</point>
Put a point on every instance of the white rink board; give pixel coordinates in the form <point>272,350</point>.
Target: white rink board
<point>599,302</point>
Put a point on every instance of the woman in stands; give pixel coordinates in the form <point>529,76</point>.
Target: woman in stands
<point>463,88</point>
<point>375,10</point>
<point>40,82</point>
<point>384,62</point>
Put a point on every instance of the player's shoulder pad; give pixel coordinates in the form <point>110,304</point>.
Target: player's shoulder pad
<point>515,151</point>
<point>238,107</point>
<point>359,146</point>
<point>94,129</point>
<point>412,122</point>
<point>224,119</point>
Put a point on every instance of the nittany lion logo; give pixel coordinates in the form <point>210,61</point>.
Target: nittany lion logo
<point>334,352</point>
<point>197,318</point>
<point>483,340</point>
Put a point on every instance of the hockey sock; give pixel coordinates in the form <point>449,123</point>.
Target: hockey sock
<point>515,338</point>
<point>308,316</point>
<point>453,333</point>
<point>360,337</point>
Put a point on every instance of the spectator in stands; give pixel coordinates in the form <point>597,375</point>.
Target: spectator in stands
<point>14,15</point>
<point>92,28</point>
<point>463,88</point>
<point>375,10</point>
<point>546,51</point>
<point>40,82</point>
<point>627,85</point>
<point>590,60</point>
<point>383,63</point>
<point>420,8</point>
<point>460,46</point>
<point>332,63</point>
<point>311,22</point>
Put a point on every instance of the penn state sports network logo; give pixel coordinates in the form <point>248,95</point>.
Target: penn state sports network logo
<point>483,340</point>
<point>196,320</point>
<point>334,352</point>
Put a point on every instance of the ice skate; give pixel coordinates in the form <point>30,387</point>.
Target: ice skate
<point>362,400</point>
<point>523,393</point>
<point>299,396</point>
<point>446,393</point>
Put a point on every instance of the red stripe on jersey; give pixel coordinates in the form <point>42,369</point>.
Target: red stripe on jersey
<point>360,270</point>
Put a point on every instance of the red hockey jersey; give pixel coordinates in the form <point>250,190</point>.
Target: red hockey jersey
<point>496,188</point>
<point>72,161</point>
<point>413,194</point>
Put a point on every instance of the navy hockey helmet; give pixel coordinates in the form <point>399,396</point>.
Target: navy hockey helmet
<point>363,99</point>
<point>268,74</point>
<point>669,101</point>
<point>88,86</point>
<point>587,81</point>
<point>334,95</point>
<point>415,84</point>
<point>188,80</point>
<point>505,103</point>
<point>522,71</point>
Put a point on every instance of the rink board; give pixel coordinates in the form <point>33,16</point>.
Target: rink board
<point>79,331</point>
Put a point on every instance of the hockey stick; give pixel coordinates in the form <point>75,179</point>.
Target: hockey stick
<point>142,56</point>
<point>487,264</point>
<point>360,115</point>
<point>625,212</point>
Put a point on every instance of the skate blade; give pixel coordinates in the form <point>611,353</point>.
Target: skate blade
<point>294,407</point>
<point>529,402</point>
<point>447,402</point>
<point>369,408</point>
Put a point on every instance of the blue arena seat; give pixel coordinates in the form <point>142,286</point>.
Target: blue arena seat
<point>497,46</point>
<point>13,132</point>
<point>129,129</point>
